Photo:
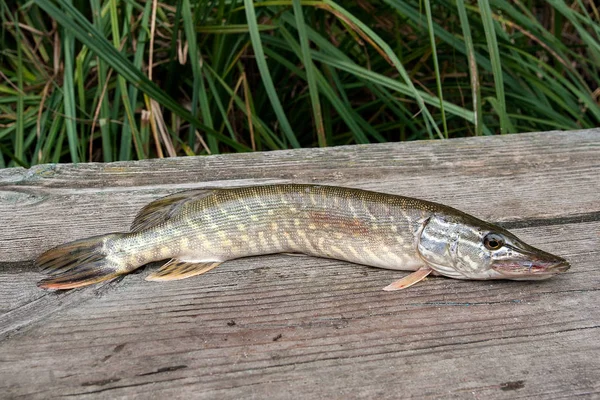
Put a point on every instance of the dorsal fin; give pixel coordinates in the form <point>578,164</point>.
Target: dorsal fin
<point>165,208</point>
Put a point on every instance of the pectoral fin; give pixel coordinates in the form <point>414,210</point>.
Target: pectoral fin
<point>409,280</point>
<point>177,269</point>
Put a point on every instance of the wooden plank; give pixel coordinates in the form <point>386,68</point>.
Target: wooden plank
<point>281,326</point>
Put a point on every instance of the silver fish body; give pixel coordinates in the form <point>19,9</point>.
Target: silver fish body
<point>198,230</point>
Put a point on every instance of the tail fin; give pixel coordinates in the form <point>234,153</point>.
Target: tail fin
<point>79,263</point>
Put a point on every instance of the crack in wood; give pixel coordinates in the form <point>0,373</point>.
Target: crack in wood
<point>164,369</point>
<point>41,308</point>
<point>112,388</point>
<point>535,222</point>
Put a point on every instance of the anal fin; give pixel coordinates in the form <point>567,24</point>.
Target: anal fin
<point>409,280</point>
<point>177,269</point>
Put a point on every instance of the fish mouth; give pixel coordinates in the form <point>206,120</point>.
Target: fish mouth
<point>562,266</point>
<point>531,269</point>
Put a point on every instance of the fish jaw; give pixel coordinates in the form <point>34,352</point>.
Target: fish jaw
<point>532,266</point>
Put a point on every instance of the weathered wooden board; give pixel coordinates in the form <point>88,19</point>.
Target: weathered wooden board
<point>290,327</point>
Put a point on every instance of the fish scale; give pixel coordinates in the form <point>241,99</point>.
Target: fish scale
<point>302,219</point>
<point>198,230</point>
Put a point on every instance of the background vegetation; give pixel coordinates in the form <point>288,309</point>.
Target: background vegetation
<point>106,80</point>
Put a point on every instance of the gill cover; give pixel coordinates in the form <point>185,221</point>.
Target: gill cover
<point>452,248</point>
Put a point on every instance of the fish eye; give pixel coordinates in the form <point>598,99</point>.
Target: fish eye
<point>493,241</point>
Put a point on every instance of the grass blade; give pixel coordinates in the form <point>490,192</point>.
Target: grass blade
<point>490,34</point>
<point>129,131</point>
<point>69,97</point>
<point>393,59</point>
<point>20,133</point>
<point>310,73</point>
<point>198,89</point>
<point>470,50</point>
<point>80,27</point>
<point>267,80</point>
<point>436,65</point>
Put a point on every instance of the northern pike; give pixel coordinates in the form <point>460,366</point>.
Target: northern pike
<point>199,229</point>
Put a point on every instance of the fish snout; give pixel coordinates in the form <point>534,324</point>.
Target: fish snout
<point>561,266</point>
<point>539,266</point>
<point>549,263</point>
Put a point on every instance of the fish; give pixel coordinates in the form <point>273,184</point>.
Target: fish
<point>197,230</point>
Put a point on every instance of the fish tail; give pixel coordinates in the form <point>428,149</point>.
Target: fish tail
<point>80,263</point>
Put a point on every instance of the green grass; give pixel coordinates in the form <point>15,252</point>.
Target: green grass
<point>108,80</point>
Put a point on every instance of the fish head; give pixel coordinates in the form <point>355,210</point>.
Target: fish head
<point>464,247</point>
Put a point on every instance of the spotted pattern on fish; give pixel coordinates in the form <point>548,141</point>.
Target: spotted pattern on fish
<point>198,230</point>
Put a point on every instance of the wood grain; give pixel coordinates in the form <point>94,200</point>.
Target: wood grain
<point>291,327</point>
